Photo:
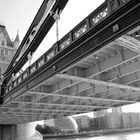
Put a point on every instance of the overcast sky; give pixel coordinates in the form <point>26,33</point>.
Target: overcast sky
<point>18,15</point>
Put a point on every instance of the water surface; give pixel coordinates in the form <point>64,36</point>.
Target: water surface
<point>126,136</point>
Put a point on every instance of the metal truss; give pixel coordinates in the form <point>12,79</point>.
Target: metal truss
<point>96,72</point>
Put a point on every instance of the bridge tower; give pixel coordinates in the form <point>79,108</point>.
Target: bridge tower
<point>7,48</point>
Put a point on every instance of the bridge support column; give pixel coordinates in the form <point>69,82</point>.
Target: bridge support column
<point>7,132</point>
<point>27,132</point>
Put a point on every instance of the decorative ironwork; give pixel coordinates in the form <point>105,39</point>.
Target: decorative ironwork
<point>10,87</point>
<point>40,63</point>
<point>65,43</point>
<point>6,90</point>
<point>115,28</point>
<point>25,75</point>
<point>81,31</point>
<point>19,80</point>
<point>50,55</point>
<point>100,16</point>
<point>33,69</point>
<point>124,1</point>
<point>15,83</point>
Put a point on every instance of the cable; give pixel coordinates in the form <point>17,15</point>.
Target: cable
<point>56,16</point>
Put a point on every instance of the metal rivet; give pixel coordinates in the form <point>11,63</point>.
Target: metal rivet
<point>115,28</point>
<point>54,68</point>
<point>26,86</point>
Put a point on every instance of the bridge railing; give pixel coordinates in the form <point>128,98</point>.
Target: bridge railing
<point>90,22</point>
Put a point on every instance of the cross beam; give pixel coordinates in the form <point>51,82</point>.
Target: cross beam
<point>97,82</point>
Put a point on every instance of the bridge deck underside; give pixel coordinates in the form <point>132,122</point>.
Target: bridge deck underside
<point>109,77</point>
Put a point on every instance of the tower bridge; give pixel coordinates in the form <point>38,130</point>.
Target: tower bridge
<point>93,67</point>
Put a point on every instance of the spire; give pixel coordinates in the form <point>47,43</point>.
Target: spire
<point>17,37</point>
<point>16,41</point>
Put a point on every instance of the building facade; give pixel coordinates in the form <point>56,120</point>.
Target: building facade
<point>83,122</point>
<point>65,124</point>
<point>7,48</point>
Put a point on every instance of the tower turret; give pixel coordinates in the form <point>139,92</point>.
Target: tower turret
<point>16,41</point>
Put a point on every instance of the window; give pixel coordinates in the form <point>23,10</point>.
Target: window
<point>4,52</point>
<point>2,42</point>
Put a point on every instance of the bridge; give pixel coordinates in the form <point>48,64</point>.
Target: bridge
<point>93,67</point>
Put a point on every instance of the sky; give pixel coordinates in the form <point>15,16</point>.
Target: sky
<point>17,15</point>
